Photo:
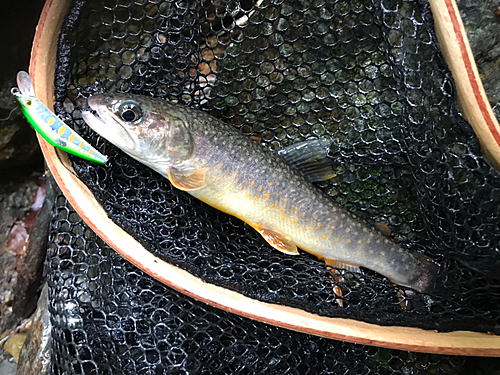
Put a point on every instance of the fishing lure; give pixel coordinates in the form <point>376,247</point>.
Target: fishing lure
<point>49,126</point>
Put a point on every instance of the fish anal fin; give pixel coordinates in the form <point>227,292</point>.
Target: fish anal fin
<point>277,240</point>
<point>188,181</point>
<point>346,266</point>
<point>310,158</point>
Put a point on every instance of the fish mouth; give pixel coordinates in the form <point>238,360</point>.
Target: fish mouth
<point>107,126</point>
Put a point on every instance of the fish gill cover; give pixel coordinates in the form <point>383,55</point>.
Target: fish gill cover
<point>367,74</point>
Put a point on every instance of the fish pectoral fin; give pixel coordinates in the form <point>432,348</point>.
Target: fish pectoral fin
<point>188,181</point>
<point>310,158</point>
<point>278,241</point>
<point>346,266</point>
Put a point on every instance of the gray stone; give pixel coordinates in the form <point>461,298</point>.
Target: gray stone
<point>8,365</point>
<point>34,358</point>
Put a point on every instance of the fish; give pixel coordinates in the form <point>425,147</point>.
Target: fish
<point>49,126</point>
<point>272,192</point>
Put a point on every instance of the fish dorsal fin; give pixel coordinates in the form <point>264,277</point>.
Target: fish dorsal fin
<point>188,181</point>
<point>310,158</point>
<point>277,240</point>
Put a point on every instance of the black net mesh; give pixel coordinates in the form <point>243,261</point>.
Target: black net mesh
<point>366,74</point>
<point>110,318</point>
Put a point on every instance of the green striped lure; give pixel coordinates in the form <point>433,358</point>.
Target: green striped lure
<point>49,126</point>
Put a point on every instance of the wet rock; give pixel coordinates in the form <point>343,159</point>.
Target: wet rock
<point>24,227</point>
<point>30,263</point>
<point>483,29</point>
<point>16,197</point>
<point>34,358</point>
<point>18,144</point>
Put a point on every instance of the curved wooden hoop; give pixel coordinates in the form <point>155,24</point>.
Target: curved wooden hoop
<point>473,101</point>
<point>414,339</point>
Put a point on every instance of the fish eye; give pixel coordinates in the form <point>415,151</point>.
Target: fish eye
<point>130,111</point>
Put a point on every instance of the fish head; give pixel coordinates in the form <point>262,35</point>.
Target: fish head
<point>148,129</point>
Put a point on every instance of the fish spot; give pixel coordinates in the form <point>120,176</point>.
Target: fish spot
<point>286,200</point>
<point>253,183</point>
<point>81,144</point>
<point>272,206</point>
<point>303,214</point>
<point>247,195</point>
<point>347,230</point>
<point>220,166</point>
<point>277,194</point>
<point>360,242</point>
<point>293,222</point>
<point>324,237</point>
<point>370,252</point>
<point>283,217</point>
<point>336,239</point>
<point>310,227</point>
<point>51,121</point>
<point>348,241</point>
<point>261,189</point>
<point>262,208</point>
<point>315,216</point>
<point>281,209</point>
<point>319,225</point>
<point>267,196</point>
<point>302,228</point>
<point>295,208</point>
<point>270,184</point>
<point>219,178</point>
<point>91,151</point>
<point>235,175</point>
<point>360,254</point>
<point>256,198</point>
<point>240,187</point>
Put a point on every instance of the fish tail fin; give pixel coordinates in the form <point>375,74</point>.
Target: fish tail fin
<point>425,281</point>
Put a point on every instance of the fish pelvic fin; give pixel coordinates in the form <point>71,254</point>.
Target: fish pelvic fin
<point>188,181</point>
<point>310,159</point>
<point>346,266</point>
<point>277,240</point>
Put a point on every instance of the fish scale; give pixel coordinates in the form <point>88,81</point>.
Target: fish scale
<point>217,164</point>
